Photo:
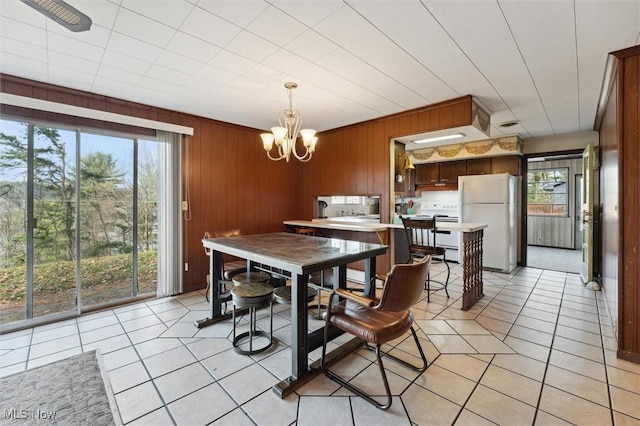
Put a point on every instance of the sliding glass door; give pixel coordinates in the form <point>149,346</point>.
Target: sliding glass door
<point>78,220</point>
<point>37,209</point>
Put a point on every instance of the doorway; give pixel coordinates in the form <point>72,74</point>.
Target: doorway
<point>552,198</point>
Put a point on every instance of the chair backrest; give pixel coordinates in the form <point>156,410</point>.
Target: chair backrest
<point>420,232</point>
<point>219,234</point>
<point>305,231</point>
<point>403,286</point>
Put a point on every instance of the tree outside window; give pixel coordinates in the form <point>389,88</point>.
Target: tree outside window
<point>547,191</point>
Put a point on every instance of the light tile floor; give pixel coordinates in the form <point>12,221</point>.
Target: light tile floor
<point>554,259</point>
<point>538,348</point>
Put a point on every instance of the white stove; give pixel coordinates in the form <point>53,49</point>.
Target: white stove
<point>444,211</point>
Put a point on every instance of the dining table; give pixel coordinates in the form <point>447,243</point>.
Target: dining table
<point>296,257</point>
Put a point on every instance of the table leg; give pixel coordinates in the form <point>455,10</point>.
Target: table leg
<point>215,305</point>
<point>370,277</point>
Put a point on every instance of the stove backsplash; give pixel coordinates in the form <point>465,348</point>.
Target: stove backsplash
<point>433,202</point>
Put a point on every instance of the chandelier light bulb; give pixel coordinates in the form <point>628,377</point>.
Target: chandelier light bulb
<point>285,136</point>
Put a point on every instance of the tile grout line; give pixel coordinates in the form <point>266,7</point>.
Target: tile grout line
<point>604,361</point>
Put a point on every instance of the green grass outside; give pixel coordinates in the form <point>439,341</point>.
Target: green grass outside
<point>54,277</point>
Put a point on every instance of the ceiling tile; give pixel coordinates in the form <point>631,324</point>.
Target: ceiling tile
<point>309,13</point>
<point>311,45</point>
<point>209,28</point>
<point>276,26</point>
<point>141,28</point>
<point>229,61</point>
<point>167,12</point>
<point>113,74</point>
<point>125,62</point>
<point>24,67</point>
<point>17,30</point>
<point>251,46</point>
<point>217,75</point>
<point>240,13</point>
<point>64,60</point>
<point>343,26</point>
<point>285,62</point>
<point>115,88</point>
<point>76,48</point>
<point>192,47</point>
<point>177,62</point>
<point>132,47</point>
<point>20,48</point>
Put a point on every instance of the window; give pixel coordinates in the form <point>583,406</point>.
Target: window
<point>347,199</point>
<point>547,192</point>
<point>82,216</point>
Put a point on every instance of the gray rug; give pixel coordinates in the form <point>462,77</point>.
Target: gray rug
<point>73,391</point>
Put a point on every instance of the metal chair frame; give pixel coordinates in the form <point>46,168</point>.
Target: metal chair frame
<point>421,237</point>
<point>380,305</point>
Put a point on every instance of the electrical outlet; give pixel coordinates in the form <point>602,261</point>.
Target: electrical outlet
<point>185,205</point>
<point>186,267</point>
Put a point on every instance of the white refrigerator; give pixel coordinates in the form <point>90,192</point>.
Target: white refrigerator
<point>491,199</point>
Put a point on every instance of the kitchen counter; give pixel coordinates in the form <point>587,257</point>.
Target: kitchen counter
<point>472,247</point>
<point>378,228</point>
<point>364,226</point>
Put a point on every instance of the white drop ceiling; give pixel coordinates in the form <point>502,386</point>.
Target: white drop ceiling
<point>539,62</point>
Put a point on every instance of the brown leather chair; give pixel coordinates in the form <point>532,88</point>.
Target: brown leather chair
<point>230,268</point>
<point>421,236</point>
<point>379,321</point>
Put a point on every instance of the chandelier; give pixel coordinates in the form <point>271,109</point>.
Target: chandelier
<point>286,135</point>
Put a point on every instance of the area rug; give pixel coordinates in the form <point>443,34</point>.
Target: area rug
<point>73,391</point>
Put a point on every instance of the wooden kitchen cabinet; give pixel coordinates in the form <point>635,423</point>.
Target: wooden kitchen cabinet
<point>506,164</point>
<point>426,174</point>
<point>479,166</point>
<point>450,170</point>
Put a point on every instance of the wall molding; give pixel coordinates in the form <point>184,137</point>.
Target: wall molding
<point>72,110</point>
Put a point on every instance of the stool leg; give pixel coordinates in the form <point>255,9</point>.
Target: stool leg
<point>233,318</point>
<point>252,322</point>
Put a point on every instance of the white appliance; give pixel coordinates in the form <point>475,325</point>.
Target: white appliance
<point>444,205</point>
<point>491,199</point>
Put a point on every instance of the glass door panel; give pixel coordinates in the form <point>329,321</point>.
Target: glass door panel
<point>13,207</point>
<point>106,219</point>
<point>53,223</point>
<point>37,226</point>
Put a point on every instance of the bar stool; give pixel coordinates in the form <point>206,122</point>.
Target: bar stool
<point>251,277</point>
<point>252,296</point>
<point>283,295</point>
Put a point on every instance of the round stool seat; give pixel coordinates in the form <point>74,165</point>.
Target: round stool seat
<point>252,296</point>
<point>283,294</point>
<point>251,277</point>
<point>248,295</point>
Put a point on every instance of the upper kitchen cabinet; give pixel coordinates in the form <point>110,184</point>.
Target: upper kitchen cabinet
<point>479,166</point>
<point>440,175</point>
<point>450,170</point>
<point>488,165</point>
<point>506,164</point>
<point>427,174</point>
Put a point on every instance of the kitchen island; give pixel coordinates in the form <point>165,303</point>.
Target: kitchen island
<point>471,250</point>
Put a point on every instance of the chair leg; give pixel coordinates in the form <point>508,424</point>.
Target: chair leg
<point>446,283</point>
<point>383,374</point>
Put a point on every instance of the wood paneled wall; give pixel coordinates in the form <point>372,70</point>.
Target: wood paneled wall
<point>556,231</point>
<point>355,159</point>
<point>228,179</point>
<point>231,182</point>
<point>620,195</point>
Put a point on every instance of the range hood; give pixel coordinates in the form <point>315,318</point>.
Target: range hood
<point>477,128</point>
